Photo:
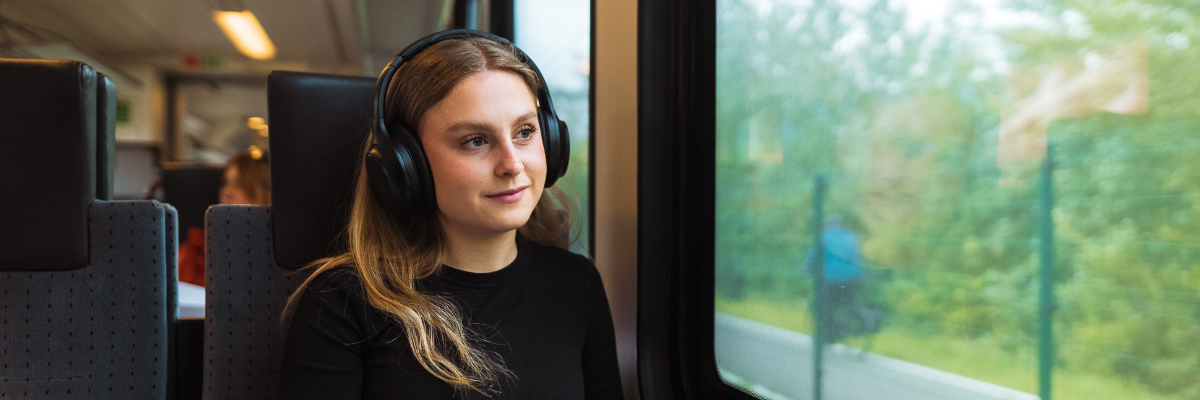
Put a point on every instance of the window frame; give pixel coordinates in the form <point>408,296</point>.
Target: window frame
<point>173,139</point>
<point>677,201</point>
<point>502,18</point>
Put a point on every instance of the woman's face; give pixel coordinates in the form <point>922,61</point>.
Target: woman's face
<point>484,146</point>
<point>230,192</point>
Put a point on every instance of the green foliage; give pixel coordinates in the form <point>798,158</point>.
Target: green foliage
<point>906,121</point>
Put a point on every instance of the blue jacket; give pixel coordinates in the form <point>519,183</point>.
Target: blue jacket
<point>843,262</point>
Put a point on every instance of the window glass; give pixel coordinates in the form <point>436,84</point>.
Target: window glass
<point>213,119</point>
<point>557,35</point>
<point>1010,209</point>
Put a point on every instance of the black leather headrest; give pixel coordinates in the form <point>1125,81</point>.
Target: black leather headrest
<point>47,163</point>
<point>318,125</point>
<point>191,188</point>
<point>106,136</point>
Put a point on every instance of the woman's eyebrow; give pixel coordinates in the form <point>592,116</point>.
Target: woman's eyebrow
<point>481,126</point>
<point>526,117</point>
<point>469,126</point>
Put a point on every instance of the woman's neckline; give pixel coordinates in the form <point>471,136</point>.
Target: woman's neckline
<point>488,279</point>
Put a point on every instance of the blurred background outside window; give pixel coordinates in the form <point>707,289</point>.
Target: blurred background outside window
<point>974,153</point>
<point>557,35</point>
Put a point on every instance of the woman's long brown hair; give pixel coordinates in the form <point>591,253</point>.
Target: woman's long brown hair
<point>389,259</point>
<point>254,175</point>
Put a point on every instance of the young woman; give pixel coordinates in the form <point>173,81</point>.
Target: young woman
<point>478,298</point>
<point>247,181</point>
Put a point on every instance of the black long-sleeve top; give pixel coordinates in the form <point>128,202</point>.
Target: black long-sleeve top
<point>545,314</point>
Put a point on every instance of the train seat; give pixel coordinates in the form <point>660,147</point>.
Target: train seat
<point>88,284</point>
<point>191,188</point>
<point>318,123</point>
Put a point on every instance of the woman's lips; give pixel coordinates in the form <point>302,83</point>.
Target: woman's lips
<point>508,196</point>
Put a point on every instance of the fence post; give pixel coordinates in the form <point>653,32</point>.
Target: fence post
<point>818,226</point>
<point>1046,301</point>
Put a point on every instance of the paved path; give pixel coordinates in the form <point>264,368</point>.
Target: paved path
<point>777,363</point>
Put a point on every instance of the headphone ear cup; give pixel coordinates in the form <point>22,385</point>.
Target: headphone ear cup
<point>564,148</point>
<point>399,175</point>
<point>418,192</point>
<point>556,144</point>
<point>380,165</point>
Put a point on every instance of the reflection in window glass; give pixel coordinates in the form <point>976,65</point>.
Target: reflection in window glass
<point>213,119</point>
<point>974,152</point>
<point>557,35</point>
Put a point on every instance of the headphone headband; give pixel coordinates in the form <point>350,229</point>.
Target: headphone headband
<point>385,77</point>
<point>389,72</point>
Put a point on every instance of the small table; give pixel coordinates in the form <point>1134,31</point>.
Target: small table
<point>191,300</point>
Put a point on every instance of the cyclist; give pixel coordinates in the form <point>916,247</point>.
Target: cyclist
<point>843,270</point>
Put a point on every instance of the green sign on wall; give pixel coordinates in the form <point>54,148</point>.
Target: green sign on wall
<point>122,111</point>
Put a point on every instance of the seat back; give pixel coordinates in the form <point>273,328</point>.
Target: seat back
<point>100,330</point>
<point>106,138</point>
<point>246,292</point>
<point>95,325</point>
<point>318,123</point>
<point>48,162</point>
<point>191,188</point>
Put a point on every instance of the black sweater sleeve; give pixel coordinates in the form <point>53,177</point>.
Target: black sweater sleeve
<point>602,376</point>
<point>322,355</point>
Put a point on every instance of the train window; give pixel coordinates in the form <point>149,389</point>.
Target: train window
<point>557,35</point>
<point>216,118</point>
<point>980,199</point>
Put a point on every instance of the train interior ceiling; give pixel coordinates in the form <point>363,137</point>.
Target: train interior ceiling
<point>785,199</point>
<point>163,54</point>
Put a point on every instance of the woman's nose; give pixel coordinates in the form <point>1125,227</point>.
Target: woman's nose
<point>510,160</point>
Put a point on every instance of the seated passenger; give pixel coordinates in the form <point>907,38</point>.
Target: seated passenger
<point>247,181</point>
<point>473,294</point>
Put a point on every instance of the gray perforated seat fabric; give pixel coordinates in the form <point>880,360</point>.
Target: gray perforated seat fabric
<point>246,293</point>
<point>101,331</point>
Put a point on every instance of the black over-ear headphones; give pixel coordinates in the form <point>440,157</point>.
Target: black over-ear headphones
<point>396,166</point>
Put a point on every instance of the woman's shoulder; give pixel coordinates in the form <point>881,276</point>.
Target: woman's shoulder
<point>333,306</point>
<point>340,281</point>
<point>559,256</point>
<point>336,290</point>
<point>571,264</point>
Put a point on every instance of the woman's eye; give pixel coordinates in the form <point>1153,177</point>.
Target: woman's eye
<point>476,141</point>
<point>525,133</point>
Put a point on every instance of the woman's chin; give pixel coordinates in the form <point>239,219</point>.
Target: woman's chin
<point>509,224</point>
<point>495,224</point>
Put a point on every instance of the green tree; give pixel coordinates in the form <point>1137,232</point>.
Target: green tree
<point>907,123</point>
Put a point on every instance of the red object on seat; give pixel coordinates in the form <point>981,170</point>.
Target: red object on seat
<point>191,257</point>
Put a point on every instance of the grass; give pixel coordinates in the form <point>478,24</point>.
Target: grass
<point>980,358</point>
